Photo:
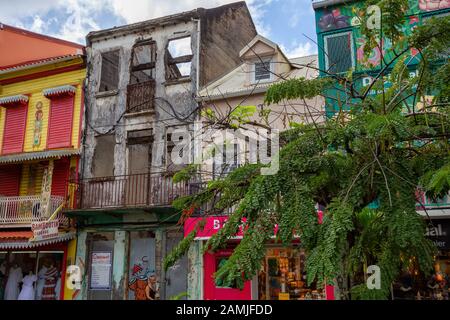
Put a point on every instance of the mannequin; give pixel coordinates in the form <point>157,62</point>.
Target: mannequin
<point>12,285</point>
<point>48,293</point>
<point>40,282</point>
<point>27,292</point>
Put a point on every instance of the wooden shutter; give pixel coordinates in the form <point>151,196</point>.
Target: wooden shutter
<point>60,177</point>
<point>10,180</point>
<point>60,122</point>
<point>14,131</point>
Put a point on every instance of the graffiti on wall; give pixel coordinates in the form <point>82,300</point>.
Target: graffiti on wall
<point>143,281</point>
<point>38,119</point>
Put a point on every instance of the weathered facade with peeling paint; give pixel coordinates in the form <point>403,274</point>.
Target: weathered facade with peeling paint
<point>142,83</point>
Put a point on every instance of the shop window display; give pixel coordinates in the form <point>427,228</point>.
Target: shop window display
<point>283,276</point>
<point>28,275</point>
<point>415,285</point>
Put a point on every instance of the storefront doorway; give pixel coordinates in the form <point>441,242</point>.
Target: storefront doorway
<point>31,275</point>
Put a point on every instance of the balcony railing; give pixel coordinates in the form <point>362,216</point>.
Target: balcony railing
<point>140,96</point>
<point>140,190</point>
<point>21,211</point>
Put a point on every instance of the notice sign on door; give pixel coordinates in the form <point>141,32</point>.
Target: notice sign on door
<point>101,267</point>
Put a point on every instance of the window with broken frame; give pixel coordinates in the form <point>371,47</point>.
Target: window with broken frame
<point>141,88</point>
<point>178,59</point>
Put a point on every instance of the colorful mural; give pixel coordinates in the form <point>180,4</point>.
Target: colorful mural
<point>333,20</point>
<point>38,119</point>
<point>432,5</point>
<point>143,281</point>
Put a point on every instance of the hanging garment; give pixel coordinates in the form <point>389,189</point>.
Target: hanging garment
<point>48,293</point>
<point>27,292</point>
<point>12,285</point>
<point>40,282</point>
<point>58,288</point>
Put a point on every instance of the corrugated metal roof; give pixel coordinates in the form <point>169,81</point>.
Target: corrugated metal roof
<point>26,243</point>
<point>15,235</point>
<point>13,99</point>
<point>59,90</point>
<point>27,156</point>
<point>36,63</point>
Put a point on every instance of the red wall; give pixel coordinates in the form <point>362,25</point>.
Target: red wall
<point>14,131</point>
<point>211,292</point>
<point>60,177</point>
<point>10,180</point>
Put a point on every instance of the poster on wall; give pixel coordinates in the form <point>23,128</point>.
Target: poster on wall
<point>101,267</point>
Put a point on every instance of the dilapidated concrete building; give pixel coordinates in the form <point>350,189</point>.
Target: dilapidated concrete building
<point>142,82</point>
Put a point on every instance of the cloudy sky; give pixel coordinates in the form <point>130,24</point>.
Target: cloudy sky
<point>287,22</point>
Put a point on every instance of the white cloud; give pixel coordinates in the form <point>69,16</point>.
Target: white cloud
<point>299,50</point>
<point>80,13</point>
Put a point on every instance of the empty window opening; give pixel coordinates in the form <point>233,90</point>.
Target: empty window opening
<point>177,148</point>
<point>143,62</point>
<point>178,58</point>
<point>109,80</point>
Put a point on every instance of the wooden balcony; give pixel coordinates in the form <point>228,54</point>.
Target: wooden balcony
<point>21,211</point>
<point>129,191</point>
<point>140,96</point>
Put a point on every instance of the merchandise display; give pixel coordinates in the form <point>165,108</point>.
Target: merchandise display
<point>30,275</point>
<point>283,277</point>
<point>415,285</point>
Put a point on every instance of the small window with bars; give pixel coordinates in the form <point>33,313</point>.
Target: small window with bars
<point>262,71</point>
<point>339,55</point>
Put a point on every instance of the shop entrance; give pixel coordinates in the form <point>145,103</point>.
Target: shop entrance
<point>31,275</point>
<point>213,291</point>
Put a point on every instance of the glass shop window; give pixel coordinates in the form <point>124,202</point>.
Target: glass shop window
<point>220,262</point>
<point>31,275</point>
<point>283,277</point>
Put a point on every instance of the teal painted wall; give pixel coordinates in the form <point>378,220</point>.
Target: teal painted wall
<point>344,18</point>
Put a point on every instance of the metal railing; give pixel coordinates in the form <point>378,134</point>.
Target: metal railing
<point>139,190</point>
<point>140,96</point>
<point>23,210</point>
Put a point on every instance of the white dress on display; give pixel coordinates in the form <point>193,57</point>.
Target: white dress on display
<point>27,292</point>
<point>12,285</point>
<point>40,282</point>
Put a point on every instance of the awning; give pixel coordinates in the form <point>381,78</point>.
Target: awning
<point>28,156</point>
<point>59,91</point>
<point>21,98</point>
<point>21,239</point>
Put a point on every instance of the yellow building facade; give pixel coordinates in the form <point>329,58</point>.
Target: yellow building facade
<point>41,114</point>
